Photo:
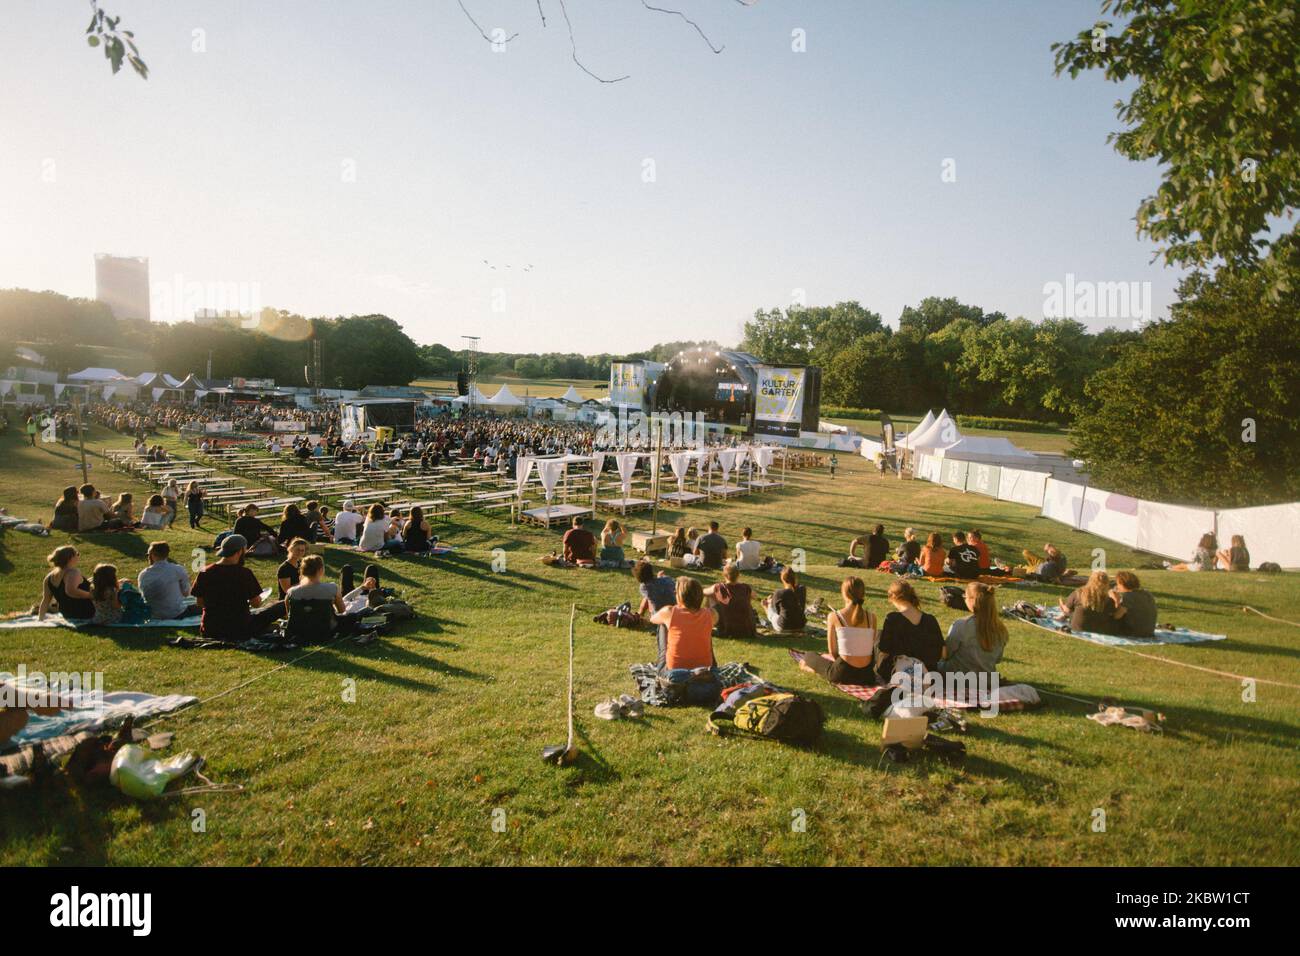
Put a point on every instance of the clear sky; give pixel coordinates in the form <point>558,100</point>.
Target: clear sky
<point>355,157</point>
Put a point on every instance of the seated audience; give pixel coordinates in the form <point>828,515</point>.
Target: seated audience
<point>748,551</point>
<point>231,599</point>
<point>1090,607</point>
<point>658,591</point>
<point>288,575</point>
<point>1205,557</point>
<point>155,515</point>
<point>733,599</point>
<point>1236,557</point>
<point>850,640</point>
<point>379,533</point>
<point>907,634</point>
<point>964,558</point>
<point>1135,607</point>
<point>686,637</point>
<point>316,529</point>
<point>104,592</point>
<point>65,588</point>
<point>579,544</point>
<point>975,643</point>
<point>611,543</point>
<point>1049,568</point>
<point>122,512</point>
<point>293,524</point>
<point>416,533</point>
<point>164,584</point>
<point>66,513</point>
<point>786,607</point>
<point>315,607</point>
<point>877,547</point>
<point>91,509</point>
<point>932,556</point>
<point>976,538</point>
<point>347,524</point>
<point>909,551</point>
<point>677,544</point>
<point>711,548</point>
<point>252,528</point>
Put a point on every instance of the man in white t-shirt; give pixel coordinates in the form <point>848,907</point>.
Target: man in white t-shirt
<point>347,524</point>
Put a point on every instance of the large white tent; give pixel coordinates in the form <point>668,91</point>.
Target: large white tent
<point>475,395</point>
<point>938,434</point>
<point>572,396</point>
<point>504,398</point>
<point>98,375</point>
<point>986,448</point>
<point>921,426</point>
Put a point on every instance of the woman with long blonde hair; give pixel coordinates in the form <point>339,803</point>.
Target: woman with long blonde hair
<point>975,643</point>
<point>850,640</point>
<point>1091,607</point>
<point>611,542</point>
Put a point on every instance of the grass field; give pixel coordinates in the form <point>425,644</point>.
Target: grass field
<point>452,710</point>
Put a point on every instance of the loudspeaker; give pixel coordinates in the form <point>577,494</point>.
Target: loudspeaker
<point>462,383</point>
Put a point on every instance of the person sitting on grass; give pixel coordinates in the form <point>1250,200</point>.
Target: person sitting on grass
<point>686,635</point>
<point>748,551</point>
<point>1090,607</point>
<point>1205,557</point>
<point>964,558</point>
<point>579,545</point>
<point>311,514</point>
<point>909,550</point>
<point>908,636</point>
<point>975,643</point>
<point>1135,607</point>
<point>65,588</point>
<point>155,514</point>
<point>658,591</point>
<point>66,512</point>
<point>293,524</point>
<point>733,599</point>
<point>116,602</point>
<point>347,524</point>
<point>122,513</point>
<point>874,549</point>
<point>976,539</point>
<point>231,599</point>
<point>313,587</point>
<point>711,548</point>
<point>288,575</point>
<point>932,556</point>
<point>91,509</point>
<point>252,528</point>
<point>611,543</point>
<point>164,584</point>
<point>416,533</point>
<point>787,606</point>
<point>850,640</point>
<point>1049,568</point>
<point>378,533</point>
<point>677,548</point>
<point>1235,558</point>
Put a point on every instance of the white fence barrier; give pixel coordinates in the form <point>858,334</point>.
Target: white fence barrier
<point>1272,532</point>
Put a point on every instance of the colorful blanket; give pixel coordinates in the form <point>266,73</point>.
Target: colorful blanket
<point>116,707</point>
<point>647,680</point>
<point>1163,635</point>
<point>58,620</point>
<point>1010,697</point>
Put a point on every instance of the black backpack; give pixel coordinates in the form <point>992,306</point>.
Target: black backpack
<point>783,716</point>
<point>953,597</point>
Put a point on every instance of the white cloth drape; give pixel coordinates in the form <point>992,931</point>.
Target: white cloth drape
<point>626,462</point>
<point>680,462</point>
<point>727,459</point>
<point>157,393</point>
<point>108,391</point>
<point>550,472</point>
<point>597,466</point>
<point>522,468</point>
<point>763,458</point>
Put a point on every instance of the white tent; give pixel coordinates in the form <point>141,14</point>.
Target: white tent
<point>474,393</point>
<point>920,428</point>
<point>504,398</point>
<point>572,396</point>
<point>98,375</point>
<point>939,434</point>
<point>988,449</point>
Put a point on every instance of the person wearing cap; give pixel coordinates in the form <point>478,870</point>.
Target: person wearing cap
<point>231,598</point>
<point>347,524</point>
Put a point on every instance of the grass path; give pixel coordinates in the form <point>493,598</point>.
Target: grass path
<point>451,713</point>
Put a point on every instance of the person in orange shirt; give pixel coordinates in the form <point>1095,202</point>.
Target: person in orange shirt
<point>976,538</point>
<point>933,555</point>
<point>686,638</point>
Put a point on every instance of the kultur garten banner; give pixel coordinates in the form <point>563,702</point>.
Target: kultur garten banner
<point>778,406</point>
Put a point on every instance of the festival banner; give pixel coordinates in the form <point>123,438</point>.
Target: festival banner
<point>778,404</point>
<point>627,384</point>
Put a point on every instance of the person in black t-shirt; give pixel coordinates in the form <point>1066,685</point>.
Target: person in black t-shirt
<point>226,591</point>
<point>907,632</point>
<point>711,548</point>
<point>964,558</point>
<point>288,575</point>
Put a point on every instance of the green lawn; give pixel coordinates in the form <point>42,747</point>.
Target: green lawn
<point>451,713</point>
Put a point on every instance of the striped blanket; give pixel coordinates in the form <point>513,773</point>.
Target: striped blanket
<point>1163,635</point>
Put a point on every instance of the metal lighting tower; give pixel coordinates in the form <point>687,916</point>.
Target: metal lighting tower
<point>471,368</point>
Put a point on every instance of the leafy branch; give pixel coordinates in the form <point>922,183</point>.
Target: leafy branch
<point>118,44</point>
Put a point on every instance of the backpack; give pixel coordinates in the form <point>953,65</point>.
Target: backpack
<point>786,717</point>
<point>953,597</point>
<point>621,616</point>
<point>1270,567</point>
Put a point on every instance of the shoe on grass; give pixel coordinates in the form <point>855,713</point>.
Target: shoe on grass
<point>632,706</point>
<point>609,709</point>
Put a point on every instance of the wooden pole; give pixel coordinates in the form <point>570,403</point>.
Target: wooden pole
<point>81,442</point>
<point>654,479</point>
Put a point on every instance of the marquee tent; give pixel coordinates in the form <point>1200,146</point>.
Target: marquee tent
<point>98,375</point>
<point>572,396</point>
<point>475,394</point>
<point>939,434</point>
<point>504,398</point>
<point>907,439</point>
<point>987,449</point>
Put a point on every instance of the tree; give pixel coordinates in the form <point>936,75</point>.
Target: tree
<point>1217,103</point>
<point>807,335</point>
<point>1204,408</point>
<point>528,366</point>
<point>933,314</point>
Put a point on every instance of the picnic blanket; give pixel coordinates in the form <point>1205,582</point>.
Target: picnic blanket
<point>22,524</point>
<point>950,579</point>
<point>647,680</point>
<point>58,620</point>
<point>1163,635</point>
<point>116,707</point>
<point>1010,697</point>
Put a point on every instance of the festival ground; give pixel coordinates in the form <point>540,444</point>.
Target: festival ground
<point>452,710</point>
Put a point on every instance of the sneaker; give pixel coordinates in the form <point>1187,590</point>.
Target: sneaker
<point>609,709</point>
<point>632,706</point>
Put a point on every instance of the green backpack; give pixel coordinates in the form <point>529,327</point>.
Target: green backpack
<point>783,716</point>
